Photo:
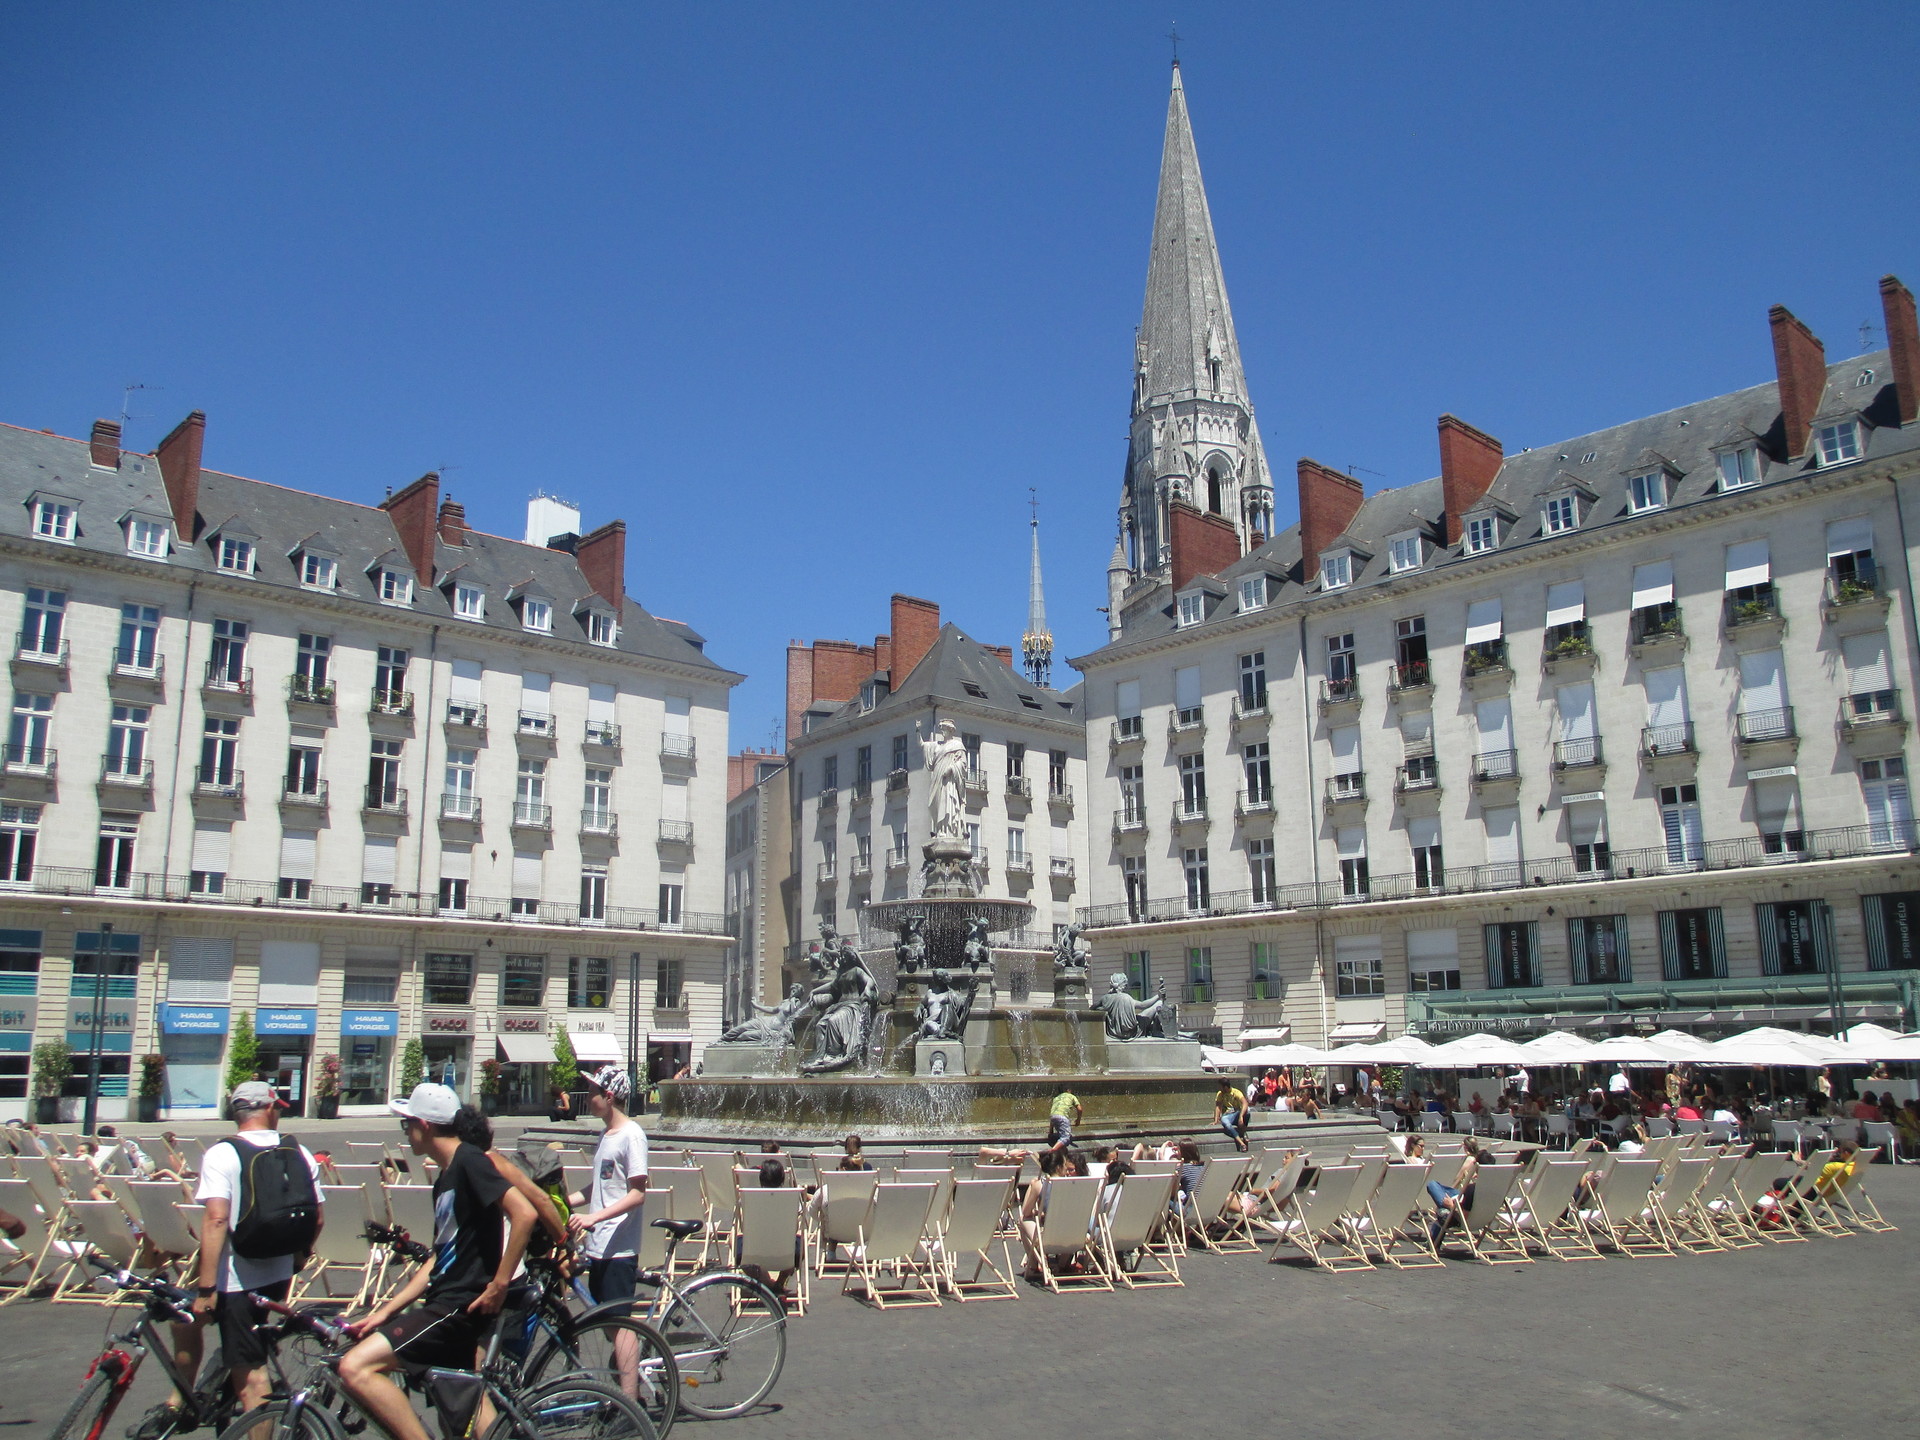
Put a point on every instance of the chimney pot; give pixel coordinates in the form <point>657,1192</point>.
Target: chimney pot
<point>453,522</point>
<point>105,444</point>
<point>1903,345</point>
<point>1800,362</point>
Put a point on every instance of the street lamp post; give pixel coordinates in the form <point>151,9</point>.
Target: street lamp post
<point>103,950</point>
<point>633,1029</point>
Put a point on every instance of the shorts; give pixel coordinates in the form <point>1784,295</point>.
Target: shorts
<point>1059,1130</point>
<point>242,1345</point>
<point>612,1279</point>
<point>428,1337</point>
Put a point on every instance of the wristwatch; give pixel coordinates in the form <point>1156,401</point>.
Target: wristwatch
<point>207,1292</point>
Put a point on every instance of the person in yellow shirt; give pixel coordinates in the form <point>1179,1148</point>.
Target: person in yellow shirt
<point>1837,1171</point>
<point>1230,1111</point>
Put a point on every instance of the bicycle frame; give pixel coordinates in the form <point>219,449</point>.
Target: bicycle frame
<point>123,1357</point>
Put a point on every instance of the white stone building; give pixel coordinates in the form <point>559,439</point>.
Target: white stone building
<point>361,773</point>
<point>759,860</point>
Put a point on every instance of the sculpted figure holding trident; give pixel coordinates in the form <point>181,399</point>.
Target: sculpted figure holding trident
<point>946,760</point>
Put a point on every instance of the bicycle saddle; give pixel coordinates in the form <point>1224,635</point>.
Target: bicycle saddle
<point>679,1229</point>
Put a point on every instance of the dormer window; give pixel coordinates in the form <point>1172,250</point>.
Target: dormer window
<point>1647,492</point>
<point>396,587</point>
<point>469,602</point>
<point>1561,514</point>
<point>1483,534</point>
<point>149,539</point>
<point>600,628</point>
<point>53,518</point>
<point>1253,593</point>
<point>319,572</point>
<point>1336,570</point>
<point>1739,467</point>
<point>1404,553</point>
<point>536,615</point>
<point>1838,442</point>
<point>1193,609</point>
<point>234,555</point>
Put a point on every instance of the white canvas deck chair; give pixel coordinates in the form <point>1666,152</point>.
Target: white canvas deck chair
<point>344,1264</point>
<point>1070,1254</point>
<point>1847,1203</point>
<point>771,1225</point>
<point>968,1238</point>
<point>38,1257</point>
<point>1314,1222</point>
<point>156,1205</point>
<point>1679,1197</point>
<point>1752,1181</point>
<point>1394,1224</point>
<point>688,1186</point>
<point>891,1240</point>
<point>1135,1230</point>
<point>942,1182</point>
<point>1793,1207</point>
<point>717,1191</point>
<point>103,1233</point>
<point>1617,1214</point>
<point>842,1199</point>
<point>1488,1228</point>
<point>1719,1208</point>
<point>1212,1212</point>
<point>1546,1211</point>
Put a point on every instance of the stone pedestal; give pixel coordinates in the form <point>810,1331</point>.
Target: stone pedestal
<point>947,873</point>
<point>1152,1055</point>
<point>939,1057</point>
<point>737,1060</point>
<point>1070,987</point>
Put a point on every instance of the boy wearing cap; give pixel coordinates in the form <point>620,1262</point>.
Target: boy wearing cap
<point>609,1212</point>
<point>463,1287</point>
<point>228,1282</point>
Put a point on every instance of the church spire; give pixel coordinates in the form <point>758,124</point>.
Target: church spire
<point>1193,436</point>
<point>1036,646</point>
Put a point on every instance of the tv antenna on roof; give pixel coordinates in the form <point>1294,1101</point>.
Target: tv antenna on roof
<point>126,402</point>
<point>1866,336</point>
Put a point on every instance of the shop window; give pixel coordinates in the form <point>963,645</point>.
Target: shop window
<point>589,982</point>
<point>449,980</point>
<point>523,981</point>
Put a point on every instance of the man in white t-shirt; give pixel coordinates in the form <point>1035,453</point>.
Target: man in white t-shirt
<point>229,1281</point>
<point>1619,1084</point>
<point>608,1213</point>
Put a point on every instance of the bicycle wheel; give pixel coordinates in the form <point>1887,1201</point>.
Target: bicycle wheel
<point>572,1408</point>
<point>270,1422</point>
<point>92,1408</point>
<point>590,1350</point>
<point>728,1334</point>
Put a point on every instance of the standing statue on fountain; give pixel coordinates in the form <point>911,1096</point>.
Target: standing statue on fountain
<point>910,948</point>
<point>846,1003</point>
<point>945,755</point>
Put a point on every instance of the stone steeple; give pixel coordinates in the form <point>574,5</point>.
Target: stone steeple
<point>1193,437</point>
<point>1036,645</point>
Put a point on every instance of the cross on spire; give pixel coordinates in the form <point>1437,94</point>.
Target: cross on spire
<point>1174,36</point>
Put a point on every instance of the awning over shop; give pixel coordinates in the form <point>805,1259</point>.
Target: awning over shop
<point>1357,1030</point>
<point>1266,1035</point>
<point>595,1046</point>
<point>527,1049</point>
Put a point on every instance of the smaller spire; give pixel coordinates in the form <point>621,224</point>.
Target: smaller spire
<point>1036,646</point>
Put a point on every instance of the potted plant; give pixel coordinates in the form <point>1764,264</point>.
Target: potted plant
<point>52,1068</point>
<point>562,1076</point>
<point>490,1086</point>
<point>413,1064</point>
<point>326,1088</point>
<point>153,1083</point>
<point>243,1052</point>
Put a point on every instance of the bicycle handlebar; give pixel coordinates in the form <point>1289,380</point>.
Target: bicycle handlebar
<point>398,1240</point>
<point>179,1301</point>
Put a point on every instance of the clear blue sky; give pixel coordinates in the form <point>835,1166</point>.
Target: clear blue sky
<point>811,294</point>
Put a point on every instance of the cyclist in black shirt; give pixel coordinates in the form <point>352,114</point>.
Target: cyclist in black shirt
<point>463,1288</point>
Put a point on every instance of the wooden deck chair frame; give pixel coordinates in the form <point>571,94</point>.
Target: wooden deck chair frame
<point>892,1239</point>
<point>1489,1228</point>
<point>1394,1227</point>
<point>1753,1184</point>
<point>1672,1195</point>
<point>844,1197</point>
<point>1807,1216</point>
<point>1212,1213</point>
<point>767,1220</point>
<point>101,1227</point>
<point>1841,1204</point>
<point>156,1206</point>
<point>1549,1218</point>
<point>1718,1206</point>
<point>970,1231</point>
<point>1315,1220</point>
<point>342,1252</point>
<point>1620,1207</point>
<point>1133,1233</point>
<point>717,1193</point>
<point>688,1186</point>
<point>1070,1231</point>
<point>35,1251</point>
<point>1689,1216</point>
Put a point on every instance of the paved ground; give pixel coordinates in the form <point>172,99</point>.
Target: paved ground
<point>1757,1344</point>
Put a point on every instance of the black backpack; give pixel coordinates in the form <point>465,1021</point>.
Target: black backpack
<point>277,1211</point>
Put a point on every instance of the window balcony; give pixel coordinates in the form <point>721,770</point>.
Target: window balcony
<point>534,727</point>
<point>38,761</point>
<point>975,782</point>
<point>1659,742</point>
<point>1420,775</point>
<point>595,820</point>
<point>676,747</point>
<point>460,805</point>
<point>1254,711</point>
<point>1188,724</point>
<point>602,735</point>
<point>896,782</point>
<point>1190,812</point>
<point>305,693</point>
<point>395,704</point>
<point>383,800</point>
<point>829,797</point>
<point>120,775</point>
<point>1060,794</point>
<point>1130,820</point>
<point>1485,664</point>
<point>897,859</point>
<point>1019,788</point>
<point>1343,695</point>
<point>1870,711</point>
<point>217,783</point>
<point>676,832</point>
<point>1656,629</point>
<point>1567,647</point>
<point>861,792</point>
<point>1125,732</point>
<point>1854,591</point>
<point>1410,677</point>
<point>1756,728</point>
<point>464,715</point>
<point>297,792</point>
<point>221,679</point>
<point>860,867</point>
<point>1060,867</point>
<point>1752,615</point>
<point>1496,767</point>
<point>980,858</point>
<point>1347,789</point>
<point>34,656</point>
<point>139,668</point>
<point>1581,754</point>
<point>1248,803</point>
<point>532,815</point>
<point>1020,864</point>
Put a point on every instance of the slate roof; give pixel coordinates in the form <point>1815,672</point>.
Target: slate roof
<point>1684,439</point>
<point>358,535</point>
<point>960,669</point>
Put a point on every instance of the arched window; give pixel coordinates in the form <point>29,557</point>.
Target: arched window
<point>1216,486</point>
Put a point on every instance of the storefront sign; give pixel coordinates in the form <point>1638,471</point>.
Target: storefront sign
<point>113,1017</point>
<point>449,1024</point>
<point>522,1024</point>
<point>18,1012</point>
<point>369,1022</point>
<point>193,1019</point>
<point>297,1020</point>
<point>587,1027</point>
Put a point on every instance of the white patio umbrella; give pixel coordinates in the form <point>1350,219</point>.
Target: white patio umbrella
<point>1637,1050</point>
<point>1692,1046</point>
<point>1264,1055</point>
<point>1473,1050</point>
<point>1400,1050</point>
<point>1770,1045</point>
<point>1559,1047</point>
<point>1213,1057</point>
<point>1876,1042</point>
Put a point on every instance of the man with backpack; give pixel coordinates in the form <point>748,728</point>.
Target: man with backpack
<point>262,1198</point>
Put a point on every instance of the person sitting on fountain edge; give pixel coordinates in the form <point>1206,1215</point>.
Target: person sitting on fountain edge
<point>1062,1116</point>
<point>1230,1111</point>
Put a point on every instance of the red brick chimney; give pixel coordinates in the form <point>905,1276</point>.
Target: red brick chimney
<point>1903,343</point>
<point>179,457</point>
<point>1801,363</point>
<point>1005,652</point>
<point>453,522</point>
<point>915,625</point>
<point>1200,544</point>
<point>413,512</point>
<point>883,655</point>
<point>106,438</point>
<point>1328,503</point>
<point>603,560</point>
<point>1469,460</point>
<point>799,687</point>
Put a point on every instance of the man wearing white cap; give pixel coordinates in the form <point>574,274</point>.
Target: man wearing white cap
<point>609,1212</point>
<point>461,1291</point>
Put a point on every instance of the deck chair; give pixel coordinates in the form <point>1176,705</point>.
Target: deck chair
<point>971,1230</point>
<point>1616,1212</point>
<point>841,1202</point>
<point>410,1207</point>
<point>1670,1197</point>
<point>717,1192</point>
<point>1699,1222</point>
<point>1807,1216</point>
<point>1069,1237</point>
<point>891,1239</point>
<point>1847,1204</point>
<point>1446,1168</point>
<point>1134,1233</point>
<point>38,1256</point>
<point>1315,1222</point>
<point>1212,1213</point>
<point>344,1264</point>
<point>103,1233</point>
<point>942,1182</point>
<point>1547,1211</point>
<point>1394,1224</point>
<point>1489,1228</point>
<point>688,1186</point>
<point>48,1181</point>
<point>156,1206</point>
<point>357,1174</point>
<point>771,1233</point>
